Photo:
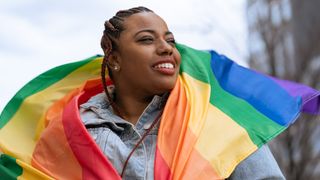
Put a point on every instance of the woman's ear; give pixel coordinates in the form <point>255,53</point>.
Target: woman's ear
<point>114,62</point>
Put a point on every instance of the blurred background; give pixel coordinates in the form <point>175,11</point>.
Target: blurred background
<point>276,37</point>
<point>284,41</point>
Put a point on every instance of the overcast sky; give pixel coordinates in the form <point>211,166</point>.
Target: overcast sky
<point>36,35</point>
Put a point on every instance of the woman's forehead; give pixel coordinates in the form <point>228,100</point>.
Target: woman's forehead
<point>144,20</point>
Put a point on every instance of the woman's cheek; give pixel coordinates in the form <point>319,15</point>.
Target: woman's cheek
<point>177,57</point>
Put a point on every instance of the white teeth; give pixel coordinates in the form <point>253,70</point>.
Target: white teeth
<point>165,65</point>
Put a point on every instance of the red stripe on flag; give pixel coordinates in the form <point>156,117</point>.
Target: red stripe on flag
<point>162,170</point>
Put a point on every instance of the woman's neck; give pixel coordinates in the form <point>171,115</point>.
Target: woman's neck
<point>131,107</point>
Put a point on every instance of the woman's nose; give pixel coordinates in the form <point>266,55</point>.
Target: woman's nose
<point>164,48</point>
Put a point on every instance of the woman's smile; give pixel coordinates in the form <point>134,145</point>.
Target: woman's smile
<point>167,67</point>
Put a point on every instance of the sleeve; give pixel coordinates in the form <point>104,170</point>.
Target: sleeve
<point>260,165</point>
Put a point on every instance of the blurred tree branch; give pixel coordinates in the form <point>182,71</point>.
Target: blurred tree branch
<point>285,42</point>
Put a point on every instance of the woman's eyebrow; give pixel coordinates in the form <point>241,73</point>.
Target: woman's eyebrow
<point>168,33</point>
<point>145,30</point>
<point>152,32</point>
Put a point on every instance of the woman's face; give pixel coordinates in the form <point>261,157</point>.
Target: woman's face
<point>148,59</point>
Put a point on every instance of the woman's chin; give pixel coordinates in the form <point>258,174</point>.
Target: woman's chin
<point>165,88</point>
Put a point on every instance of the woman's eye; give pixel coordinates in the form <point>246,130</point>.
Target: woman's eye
<point>146,40</point>
<point>171,41</point>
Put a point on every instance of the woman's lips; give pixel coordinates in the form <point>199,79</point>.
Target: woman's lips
<point>167,68</point>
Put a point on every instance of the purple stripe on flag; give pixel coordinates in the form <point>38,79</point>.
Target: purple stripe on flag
<point>310,97</point>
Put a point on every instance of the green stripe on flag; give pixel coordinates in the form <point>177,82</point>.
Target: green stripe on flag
<point>9,169</point>
<point>259,127</point>
<point>196,63</point>
<point>39,83</point>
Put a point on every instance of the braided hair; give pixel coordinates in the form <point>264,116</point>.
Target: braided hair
<point>113,28</point>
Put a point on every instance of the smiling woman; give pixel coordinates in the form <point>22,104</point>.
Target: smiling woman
<point>144,63</point>
<point>159,110</point>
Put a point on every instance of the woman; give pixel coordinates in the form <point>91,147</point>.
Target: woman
<point>143,62</point>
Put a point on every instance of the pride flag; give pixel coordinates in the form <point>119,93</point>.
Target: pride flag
<point>217,115</point>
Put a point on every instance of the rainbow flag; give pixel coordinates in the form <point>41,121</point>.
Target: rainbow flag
<point>217,115</point>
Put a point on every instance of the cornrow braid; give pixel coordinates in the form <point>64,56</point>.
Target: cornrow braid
<point>113,28</point>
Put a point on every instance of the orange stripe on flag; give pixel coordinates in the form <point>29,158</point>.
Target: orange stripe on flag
<point>170,127</point>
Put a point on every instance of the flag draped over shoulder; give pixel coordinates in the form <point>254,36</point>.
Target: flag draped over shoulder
<point>217,115</point>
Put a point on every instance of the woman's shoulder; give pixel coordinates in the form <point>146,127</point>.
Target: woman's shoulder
<point>260,165</point>
<point>99,101</point>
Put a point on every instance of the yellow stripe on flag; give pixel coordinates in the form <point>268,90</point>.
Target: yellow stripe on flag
<point>31,173</point>
<point>231,142</point>
<point>198,95</point>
